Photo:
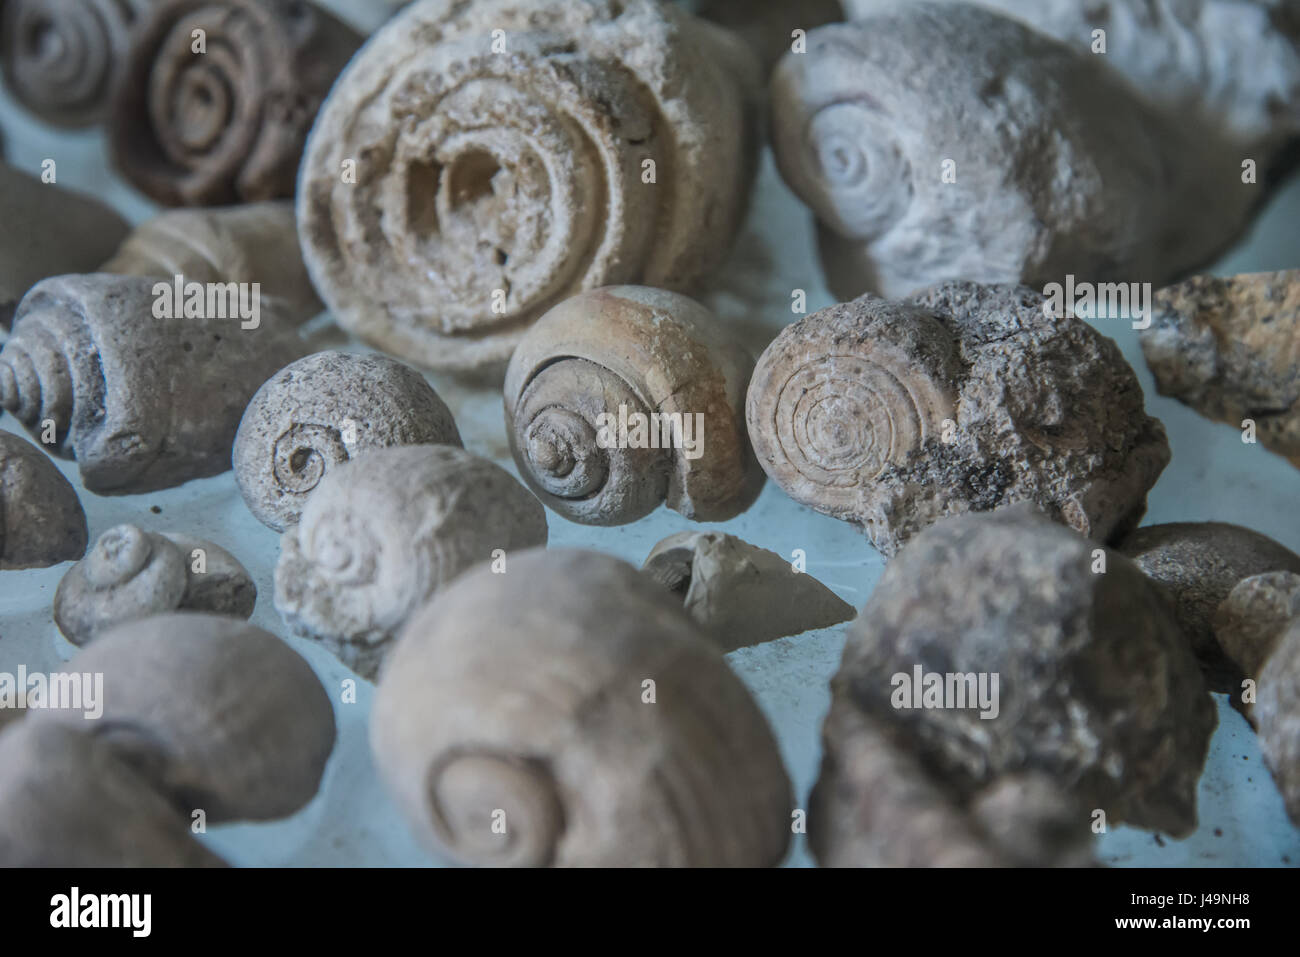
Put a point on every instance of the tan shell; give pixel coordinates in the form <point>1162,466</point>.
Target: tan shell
<point>650,351</point>
<point>384,531</point>
<point>41,519</point>
<point>490,185</point>
<point>521,699</point>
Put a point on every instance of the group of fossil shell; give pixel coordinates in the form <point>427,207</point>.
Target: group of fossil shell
<point>529,192</point>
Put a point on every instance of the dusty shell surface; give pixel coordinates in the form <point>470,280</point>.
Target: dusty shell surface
<point>69,799</point>
<point>41,519</point>
<point>385,531</point>
<point>1230,349</point>
<point>966,398</point>
<point>141,403</point>
<point>526,695</point>
<point>741,594</point>
<point>324,410</point>
<point>643,352</point>
<point>189,127</point>
<point>1096,686</point>
<point>944,141</point>
<point>220,715</point>
<point>580,145</point>
<point>1199,563</point>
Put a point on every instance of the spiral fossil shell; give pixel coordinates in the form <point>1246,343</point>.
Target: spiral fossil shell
<point>490,185</point>
<point>141,403</point>
<point>521,699</point>
<point>650,352</point>
<point>967,397</point>
<point>383,532</point>
<point>322,411</point>
<point>228,123</point>
<point>41,520</point>
<point>62,58</point>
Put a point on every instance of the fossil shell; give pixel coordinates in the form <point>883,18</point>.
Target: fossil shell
<point>648,351</point>
<point>224,124</point>
<point>41,520</point>
<point>949,142</point>
<point>1230,349</point>
<point>1251,621</point>
<point>967,397</point>
<point>521,699</point>
<point>68,799</point>
<point>322,411</point>
<point>1096,684</point>
<point>488,186</point>
<point>253,243</point>
<point>62,58</point>
<point>741,594</point>
<point>131,574</point>
<point>383,532</point>
<point>218,714</point>
<point>1277,715</point>
<point>141,403</point>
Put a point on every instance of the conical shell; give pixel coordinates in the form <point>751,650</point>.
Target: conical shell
<point>41,520</point>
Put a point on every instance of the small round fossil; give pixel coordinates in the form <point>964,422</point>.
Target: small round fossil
<point>41,519</point>
<point>321,411</point>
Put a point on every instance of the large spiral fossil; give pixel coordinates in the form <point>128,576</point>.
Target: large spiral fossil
<point>63,58</point>
<point>41,520</point>
<point>477,163</point>
<point>140,402</point>
<point>635,355</point>
<point>324,410</point>
<point>564,714</point>
<point>944,141</point>
<point>217,97</point>
<point>891,415</point>
<point>384,531</point>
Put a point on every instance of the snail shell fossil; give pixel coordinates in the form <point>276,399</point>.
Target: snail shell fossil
<point>611,142</point>
<point>383,532</point>
<point>131,574</point>
<point>945,141</point>
<point>253,243</point>
<point>141,403</point>
<point>225,123</point>
<point>522,699</point>
<point>41,519</point>
<point>321,411</point>
<point>891,415</point>
<point>62,58</point>
<point>648,351</point>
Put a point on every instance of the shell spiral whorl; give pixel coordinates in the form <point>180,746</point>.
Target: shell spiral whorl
<point>303,453</point>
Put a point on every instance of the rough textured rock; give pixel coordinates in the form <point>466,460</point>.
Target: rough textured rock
<point>598,718</point>
<point>141,403</point>
<point>1199,563</point>
<point>767,25</point>
<point>252,243</point>
<point>131,574</point>
<point>644,352</point>
<point>968,397</point>
<point>741,594</point>
<point>1277,715</point>
<point>321,411</point>
<point>41,519</point>
<point>1251,621</point>
<point>227,123</point>
<point>59,231</point>
<point>490,185</point>
<point>945,141</point>
<point>1230,349</point>
<point>384,531</point>
<point>62,58</point>
<point>1096,687</point>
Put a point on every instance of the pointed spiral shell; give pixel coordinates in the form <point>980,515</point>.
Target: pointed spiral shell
<point>512,726</point>
<point>41,520</point>
<point>227,122</point>
<point>505,156</point>
<point>384,531</point>
<point>625,353</point>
